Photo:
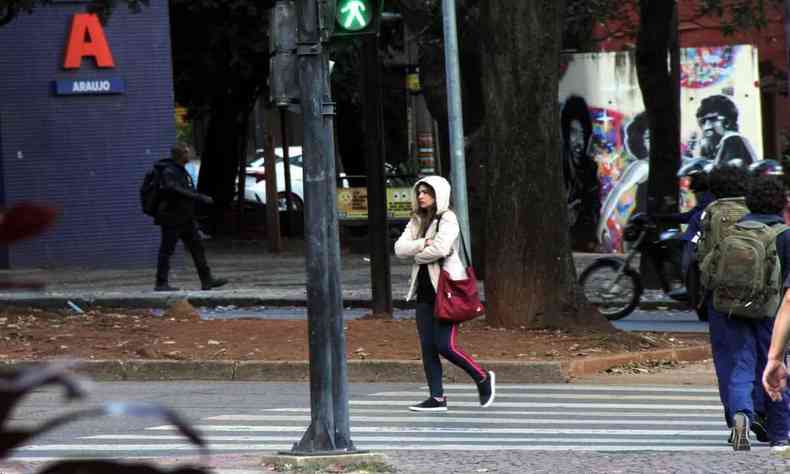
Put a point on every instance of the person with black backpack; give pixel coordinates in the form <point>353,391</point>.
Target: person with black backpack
<point>170,193</point>
<point>745,271</point>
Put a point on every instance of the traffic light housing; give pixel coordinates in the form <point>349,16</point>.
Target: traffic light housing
<point>357,17</point>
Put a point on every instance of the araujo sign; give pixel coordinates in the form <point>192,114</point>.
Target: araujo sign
<point>87,39</point>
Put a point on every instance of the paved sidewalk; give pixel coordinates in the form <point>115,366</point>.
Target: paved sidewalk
<point>257,278</point>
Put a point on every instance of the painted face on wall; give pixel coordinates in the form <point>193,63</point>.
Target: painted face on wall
<point>712,126</point>
<point>576,139</point>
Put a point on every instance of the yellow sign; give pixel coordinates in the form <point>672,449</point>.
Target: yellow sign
<point>352,203</point>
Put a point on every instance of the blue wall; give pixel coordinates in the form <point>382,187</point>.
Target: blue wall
<point>85,154</point>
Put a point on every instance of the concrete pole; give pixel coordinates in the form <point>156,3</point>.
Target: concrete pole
<point>456,122</point>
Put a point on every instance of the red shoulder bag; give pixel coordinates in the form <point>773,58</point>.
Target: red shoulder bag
<point>457,300</point>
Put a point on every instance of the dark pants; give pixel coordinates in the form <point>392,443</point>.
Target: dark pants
<point>438,337</point>
<point>688,257</point>
<point>740,351</point>
<point>189,235</point>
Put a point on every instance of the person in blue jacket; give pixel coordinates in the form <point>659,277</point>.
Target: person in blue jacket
<point>698,184</point>
<point>740,345</point>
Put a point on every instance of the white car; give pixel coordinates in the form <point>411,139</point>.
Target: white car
<point>255,183</point>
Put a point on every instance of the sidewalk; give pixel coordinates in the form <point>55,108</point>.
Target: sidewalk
<point>257,278</point>
<point>261,279</point>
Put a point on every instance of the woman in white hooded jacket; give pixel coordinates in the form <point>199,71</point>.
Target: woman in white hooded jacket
<point>431,240</point>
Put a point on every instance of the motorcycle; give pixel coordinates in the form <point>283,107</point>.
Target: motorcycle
<point>615,286</point>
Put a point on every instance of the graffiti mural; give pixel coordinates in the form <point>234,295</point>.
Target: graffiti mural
<point>580,172</point>
<point>720,122</point>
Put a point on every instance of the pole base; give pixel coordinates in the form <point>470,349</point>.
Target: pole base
<point>324,458</point>
<point>336,452</point>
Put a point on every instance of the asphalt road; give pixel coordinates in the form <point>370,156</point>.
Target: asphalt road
<point>570,427</point>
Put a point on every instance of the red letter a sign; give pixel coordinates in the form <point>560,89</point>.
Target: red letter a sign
<point>87,39</point>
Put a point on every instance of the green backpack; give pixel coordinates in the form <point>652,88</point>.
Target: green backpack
<point>743,271</point>
<point>716,221</point>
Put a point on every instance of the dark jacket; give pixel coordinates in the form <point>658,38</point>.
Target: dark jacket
<point>782,241</point>
<point>178,196</point>
<point>693,217</point>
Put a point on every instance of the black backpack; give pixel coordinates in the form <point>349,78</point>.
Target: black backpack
<point>149,192</point>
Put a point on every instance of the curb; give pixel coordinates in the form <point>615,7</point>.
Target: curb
<point>593,365</point>
<point>144,301</point>
<point>359,371</point>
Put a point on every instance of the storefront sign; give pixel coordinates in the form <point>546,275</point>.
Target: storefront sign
<point>87,38</point>
<point>113,85</point>
<point>352,203</point>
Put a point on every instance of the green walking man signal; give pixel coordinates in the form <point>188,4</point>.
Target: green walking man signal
<point>357,17</point>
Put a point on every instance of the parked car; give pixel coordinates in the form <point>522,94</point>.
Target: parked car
<point>255,178</point>
<point>255,183</point>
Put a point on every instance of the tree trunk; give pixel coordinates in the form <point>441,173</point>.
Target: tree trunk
<point>534,284</point>
<point>660,86</point>
<point>225,141</point>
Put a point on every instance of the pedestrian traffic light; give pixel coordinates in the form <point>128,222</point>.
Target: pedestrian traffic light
<point>357,17</point>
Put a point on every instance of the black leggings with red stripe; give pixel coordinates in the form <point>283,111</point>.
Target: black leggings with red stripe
<point>438,337</point>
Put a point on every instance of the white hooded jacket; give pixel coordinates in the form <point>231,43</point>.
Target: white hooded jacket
<point>445,244</point>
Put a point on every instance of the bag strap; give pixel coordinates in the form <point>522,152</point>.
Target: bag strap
<point>460,242</point>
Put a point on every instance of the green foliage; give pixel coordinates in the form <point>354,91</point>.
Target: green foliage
<point>184,132</point>
<point>220,50</point>
<point>740,15</point>
<point>9,9</point>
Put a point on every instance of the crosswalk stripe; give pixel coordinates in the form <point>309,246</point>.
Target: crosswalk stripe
<point>373,447</point>
<point>494,411</point>
<point>434,429</point>
<point>377,447</point>
<point>563,396</point>
<point>440,418</point>
<point>635,406</point>
<point>525,417</point>
<point>445,439</point>
<point>585,388</point>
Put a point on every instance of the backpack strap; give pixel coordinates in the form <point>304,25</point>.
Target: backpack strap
<point>774,232</point>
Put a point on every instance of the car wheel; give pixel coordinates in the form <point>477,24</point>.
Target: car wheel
<point>296,201</point>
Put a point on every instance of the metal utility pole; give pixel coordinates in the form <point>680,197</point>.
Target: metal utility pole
<point>329,430</point>
<point>264,141</point>
<point>456,121</point>
<point>286,165</point>
<point>272,211</point>
<point>380,277</point>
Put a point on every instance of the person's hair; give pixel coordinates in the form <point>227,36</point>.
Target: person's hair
<point>698,182</point>
<point>181,151</point>
<point>635,132</point>
<point>720,104</point>
<point>575,108</point>
<point>766,195</point>
<point>728,181</point>
<point>425,215</point>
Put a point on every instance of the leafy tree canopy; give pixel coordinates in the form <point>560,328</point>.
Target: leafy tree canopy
<point>9,9</point>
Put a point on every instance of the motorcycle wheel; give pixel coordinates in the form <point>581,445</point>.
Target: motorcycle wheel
<point>696,292</point>
<point>615,300</point>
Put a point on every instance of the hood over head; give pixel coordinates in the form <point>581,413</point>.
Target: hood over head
<point>441,187</point>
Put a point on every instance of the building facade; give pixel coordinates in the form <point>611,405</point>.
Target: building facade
<point>85,109</point>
